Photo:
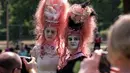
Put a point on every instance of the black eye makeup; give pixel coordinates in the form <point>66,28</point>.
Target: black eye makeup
<point>52,31</point>
<point>73,38</point>
<point>47,31</point>
<point>70,38</point>
<point>76,38</point>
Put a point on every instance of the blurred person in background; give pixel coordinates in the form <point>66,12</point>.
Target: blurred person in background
<point>28,49</point>
<point>10,49</point>
<point>118,49</point>
<point>23,51</point>
<point>17,48</point>
<point>97,41</point>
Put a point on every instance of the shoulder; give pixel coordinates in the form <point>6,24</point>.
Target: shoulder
<point>81,58</point>
<point>37,47</point>
<point>35,50</point>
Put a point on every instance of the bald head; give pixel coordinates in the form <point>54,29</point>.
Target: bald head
<point>10,60</point>
<point>119,36</point>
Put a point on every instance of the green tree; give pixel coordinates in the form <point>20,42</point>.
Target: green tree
<point>21,15</point>
<point>2,13</point>
<point>21,18</point>
<point>2,19</point>
<point>107,11</point>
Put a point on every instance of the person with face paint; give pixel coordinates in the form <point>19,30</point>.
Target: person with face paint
<point>50,19</point>
<point>50,33</point>
<point>81,24</point>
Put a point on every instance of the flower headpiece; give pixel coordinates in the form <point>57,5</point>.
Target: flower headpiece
<point>78,14</point>
<point>74,28</point>
<point>52,13</point>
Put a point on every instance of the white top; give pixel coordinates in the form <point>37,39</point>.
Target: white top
<point>49,61</point>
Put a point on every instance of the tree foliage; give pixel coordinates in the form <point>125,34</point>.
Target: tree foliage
<point>21,15</point>
<point>107,11</point>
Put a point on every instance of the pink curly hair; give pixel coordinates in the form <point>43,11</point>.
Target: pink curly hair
<point>86,35</point>
<point>40,24</point>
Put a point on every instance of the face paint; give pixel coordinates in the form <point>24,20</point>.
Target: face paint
<point>50,33</point>
<point>73,42</point>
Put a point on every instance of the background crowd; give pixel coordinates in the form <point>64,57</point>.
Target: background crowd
<point>22,49</point>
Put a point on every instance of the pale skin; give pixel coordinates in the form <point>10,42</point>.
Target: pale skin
<point>73,43</point>
<point>50,33</point>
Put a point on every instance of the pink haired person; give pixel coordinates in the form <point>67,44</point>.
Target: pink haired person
<point>81,24</point>
<point>50,21</point>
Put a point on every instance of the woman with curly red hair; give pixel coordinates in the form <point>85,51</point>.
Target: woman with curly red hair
<point>50,20</point>
<point>81,25</point>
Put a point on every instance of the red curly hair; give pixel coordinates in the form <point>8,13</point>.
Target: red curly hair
<point>41,23</point>
<point>88,24</point>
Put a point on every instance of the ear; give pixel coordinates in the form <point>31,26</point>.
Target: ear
<point>16,70</point>
<point>119,59</point>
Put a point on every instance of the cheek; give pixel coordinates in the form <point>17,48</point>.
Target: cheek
<point>54,34</point>
<point>45,32</point>
<point>77,42</point>
<point>68,43</point>
<point>45,35</point>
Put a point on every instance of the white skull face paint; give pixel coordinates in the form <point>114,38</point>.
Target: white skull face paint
<point>73,42</point>
<point>50,33</point>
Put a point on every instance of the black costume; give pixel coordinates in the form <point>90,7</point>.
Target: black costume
<point>69,68</point>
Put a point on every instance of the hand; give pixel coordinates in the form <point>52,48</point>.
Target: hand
<point>115,70</point>
<point>90,64</point>
<point>30,66</point>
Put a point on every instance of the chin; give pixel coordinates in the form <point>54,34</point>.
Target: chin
<point>49,39</point>
<point>74,48</point>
